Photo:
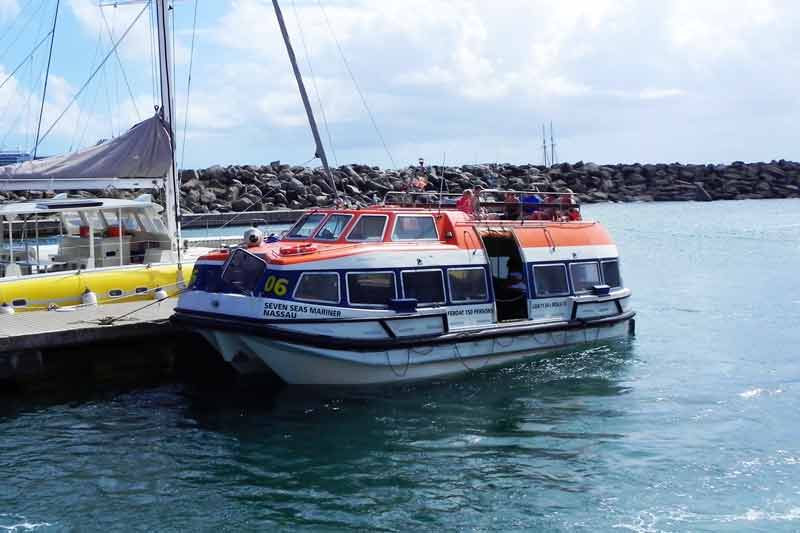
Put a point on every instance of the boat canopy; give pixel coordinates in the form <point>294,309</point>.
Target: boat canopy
<point>144,151</point>
<point>49,207</point>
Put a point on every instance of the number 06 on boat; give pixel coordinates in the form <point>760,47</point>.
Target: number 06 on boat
<point>396,293</point>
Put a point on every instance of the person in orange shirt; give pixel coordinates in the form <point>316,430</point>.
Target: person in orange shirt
<point>466,203</point>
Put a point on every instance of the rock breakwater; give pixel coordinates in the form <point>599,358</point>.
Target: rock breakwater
<point>275,186</point>
<point>281,186</point>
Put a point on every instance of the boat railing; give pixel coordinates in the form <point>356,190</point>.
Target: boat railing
<point>496,203</point>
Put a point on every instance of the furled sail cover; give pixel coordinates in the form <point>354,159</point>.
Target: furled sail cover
<point>143,151</point>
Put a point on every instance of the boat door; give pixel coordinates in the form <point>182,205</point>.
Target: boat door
<point>509,276</point>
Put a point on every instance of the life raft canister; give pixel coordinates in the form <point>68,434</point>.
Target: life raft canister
<point>298,249</point>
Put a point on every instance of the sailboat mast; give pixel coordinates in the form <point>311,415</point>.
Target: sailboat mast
<point>46,77</point>
<point>168,111</point>
<point>320,150</point>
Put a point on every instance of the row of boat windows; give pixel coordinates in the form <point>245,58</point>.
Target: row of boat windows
<point>466,285</point>
<point>365,229</point>
<point>113,293</point>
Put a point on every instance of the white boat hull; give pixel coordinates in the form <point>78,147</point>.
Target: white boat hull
<point>302,364</point>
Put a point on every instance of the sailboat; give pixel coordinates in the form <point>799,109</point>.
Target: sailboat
<point>106,250</point>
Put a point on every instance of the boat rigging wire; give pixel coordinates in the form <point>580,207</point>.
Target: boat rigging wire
<point>77,128</point>
<point>355,83</point>
<point>153,75</point>
<point>11,26</point>
<point>314,83</point>
<point>121,67</point>
<point>21,31</point>
<point>188,84</point>
<point>46,77</point>
<point>86,83</point>
<point>28,57</point>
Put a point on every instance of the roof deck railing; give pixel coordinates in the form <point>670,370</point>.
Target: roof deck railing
<point>496,203</point>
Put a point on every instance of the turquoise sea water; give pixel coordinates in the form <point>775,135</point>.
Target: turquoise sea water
<point>693,425</point>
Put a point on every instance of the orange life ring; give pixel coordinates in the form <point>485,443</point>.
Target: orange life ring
<point>298,249</point>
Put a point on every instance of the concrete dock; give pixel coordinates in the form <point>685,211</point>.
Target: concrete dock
<point>130,341</point>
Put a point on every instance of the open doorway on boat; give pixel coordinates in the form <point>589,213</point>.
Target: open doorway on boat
<point>508,274</point>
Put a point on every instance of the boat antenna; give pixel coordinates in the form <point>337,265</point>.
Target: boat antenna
<point>46,77</point>
<point>552,146</point>
<point>441,181</point>
<point>319,148</point>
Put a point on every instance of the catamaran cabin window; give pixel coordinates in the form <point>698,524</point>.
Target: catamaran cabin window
<point>320,287</point>
<point>584,276</point>
<point>368,228</point>
<point>372,288</point>
<point>305,227</point>
<point>550,280</point>
<point>414,228</point>
<point>243,271</point>
<point>611,273</point>
<point>427,286</point>
<point>333,227</point>
<point>467,285</point>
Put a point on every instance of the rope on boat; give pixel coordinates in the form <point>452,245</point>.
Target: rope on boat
<point>464,361</point>
<point>109,320</point>
<point>391,366</point>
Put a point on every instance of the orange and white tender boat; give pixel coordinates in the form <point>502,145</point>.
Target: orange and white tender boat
<point>392,294</point>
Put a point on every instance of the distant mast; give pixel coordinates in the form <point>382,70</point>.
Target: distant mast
<point>544,145</point>
<point>320,149</point>
<point>552,146</point>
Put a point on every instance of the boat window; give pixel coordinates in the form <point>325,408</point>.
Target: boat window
<point>370,288</point>
<point>467,285</point>
<point>427,286</point>
<point>141,290</point>
<point>611,273</point>
<point>333,227</point>
<point>305,227</point>
<point>129,222</point>
<point>115,293</point>
<point>368,228</point>
<point>584,276</point>
<point>19,303</point>
<point>243,271</point>
<point>318,287</point>
<point>414,228</point>
<point>550,280</point>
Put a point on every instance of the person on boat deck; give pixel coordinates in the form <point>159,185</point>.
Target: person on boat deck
<point>476,200</point>
<point>466,202</point>
<point>530,203</point>
<point>512,208</point>
<point>515,278</point>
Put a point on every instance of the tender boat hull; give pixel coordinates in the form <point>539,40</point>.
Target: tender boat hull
<point>312,363</point>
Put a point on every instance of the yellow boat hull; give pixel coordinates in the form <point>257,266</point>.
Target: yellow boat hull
<point>117,284</point>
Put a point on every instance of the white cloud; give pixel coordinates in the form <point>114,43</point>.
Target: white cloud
<point>8,9</point>
<point>658,94</point>
<point>138,45</point>
<point>466,73</point>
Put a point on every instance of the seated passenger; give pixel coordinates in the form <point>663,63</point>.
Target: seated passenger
<point>512,208</point>
<point>530,206</point>
<point>467,202</point>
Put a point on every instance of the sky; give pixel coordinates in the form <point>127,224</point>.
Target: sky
<point>451,81</point>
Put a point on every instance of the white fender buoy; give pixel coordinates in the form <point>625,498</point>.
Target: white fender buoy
<point>6,309</point>
<point>253,237</point>
<point>160,294</point>
<point>89,298</point>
